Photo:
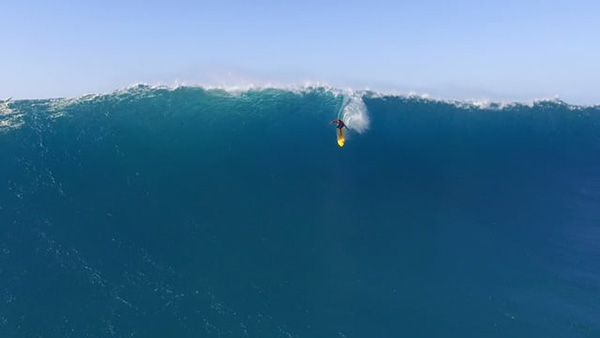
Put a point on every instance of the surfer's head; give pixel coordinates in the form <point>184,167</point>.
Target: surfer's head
<point>340,123</point>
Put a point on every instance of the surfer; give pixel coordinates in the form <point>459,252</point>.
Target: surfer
<point>341,138</point>
<point>340,124</point>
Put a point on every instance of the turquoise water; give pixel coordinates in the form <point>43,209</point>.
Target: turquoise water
<point>192,212</point>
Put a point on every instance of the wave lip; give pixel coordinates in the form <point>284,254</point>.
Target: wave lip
<point>352,104</point>
<point>142,89</point>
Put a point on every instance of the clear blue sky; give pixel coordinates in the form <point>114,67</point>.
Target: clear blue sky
<point>500,49</point>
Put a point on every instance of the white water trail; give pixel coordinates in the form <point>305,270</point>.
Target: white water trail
<point>354,113</point>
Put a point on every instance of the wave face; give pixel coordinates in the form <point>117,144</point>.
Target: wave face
<point>194,212</point>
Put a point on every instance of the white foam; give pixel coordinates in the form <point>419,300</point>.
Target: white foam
<point>258,86</point>
<point>9,118</point>
<point>233,89</point>
<point>355,114</point>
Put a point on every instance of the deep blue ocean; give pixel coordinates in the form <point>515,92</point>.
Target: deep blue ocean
<point>196,212</point>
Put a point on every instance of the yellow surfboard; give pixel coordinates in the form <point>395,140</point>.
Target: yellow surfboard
<point>341,139</point>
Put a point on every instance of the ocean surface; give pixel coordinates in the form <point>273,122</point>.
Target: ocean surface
<point>199,212</point>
